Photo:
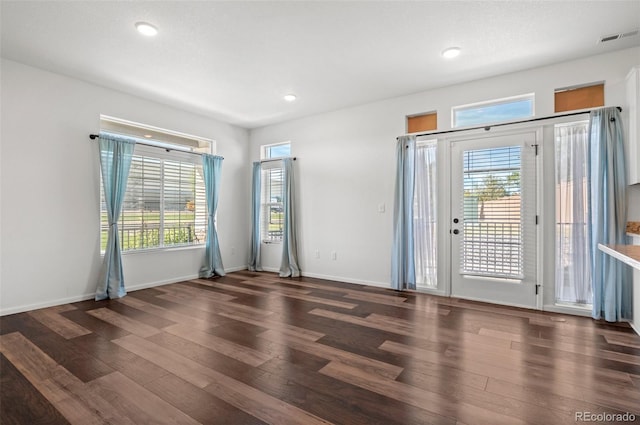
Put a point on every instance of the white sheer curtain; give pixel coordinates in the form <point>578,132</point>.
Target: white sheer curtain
<point>425,217</point>
<point>573,239</point>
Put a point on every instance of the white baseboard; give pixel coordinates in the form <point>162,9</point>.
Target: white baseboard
<point>235,269</point>
<point>575,311</point>
<point>271,269</point>
<point>635,328</point>
<point>137,287</point>
<point>84,297</point>
<point>161,282</point>
<point>45,304</point>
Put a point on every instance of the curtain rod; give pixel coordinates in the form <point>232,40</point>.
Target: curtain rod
<point>95,136</point>
<point>276,159</point>
<point>488,127</point>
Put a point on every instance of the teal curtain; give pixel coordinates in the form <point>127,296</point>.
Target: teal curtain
<point>115,161</point>
<point>254,254</point>
<point>212,170</point>
<point>612,287</point>
<point>403,272</point>
<point>289,265</point>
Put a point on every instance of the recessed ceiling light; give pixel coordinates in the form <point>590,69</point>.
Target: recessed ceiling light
<point>451,52</point>
<point>289,97</point>
<point>147,29</point>
<point>148,136</point>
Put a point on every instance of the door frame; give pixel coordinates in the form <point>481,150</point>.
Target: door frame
<point>444,202</point>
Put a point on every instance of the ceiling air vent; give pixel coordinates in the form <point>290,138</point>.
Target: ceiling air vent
<point>618,36</point>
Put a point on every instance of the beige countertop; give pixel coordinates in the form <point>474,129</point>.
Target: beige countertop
<point>628,254</point>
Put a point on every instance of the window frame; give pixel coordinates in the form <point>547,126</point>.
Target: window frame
<point>270,163</point>
<point>490,103</point>
<point>168,150</point>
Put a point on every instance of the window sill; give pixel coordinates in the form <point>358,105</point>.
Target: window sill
<point>157,250</point>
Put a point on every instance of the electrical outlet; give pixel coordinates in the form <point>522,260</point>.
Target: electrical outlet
<point>317,253</point>
<point>381,208</point>
<point>334,255</point>
<point>233,251</point>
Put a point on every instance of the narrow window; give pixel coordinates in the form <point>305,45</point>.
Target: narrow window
<point>573,242</point>
<point>422,122</point>
<point>425,216</point>
<point>272,211</point>
<point>494,111</point>
<point>579,97</point>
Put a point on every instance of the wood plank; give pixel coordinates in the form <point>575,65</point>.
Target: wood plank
<point>124,322</point>
<point>319,300</point>
<point>195,291</point>
<point>134,367</point>
<point>51,318</point>
<point>367,365</point>
<point>201,355</point>
<point>458,391</point>
<point>244,354</point>
<point>70,396</point>
<point>565,381</point>
<point>277,323</point>
<point>259,404</point>
<point>137,403</point>
<point>339,399</point>
<point>168,314</point>
<point>423,399</point>
<point>228,287</point>
<point>210,306</point>
<point>138,315</point>
<point>256,348</point>
<point>185,368</point>
<point>544,399</point>
<point>197,403</point>
<point>24,404</point>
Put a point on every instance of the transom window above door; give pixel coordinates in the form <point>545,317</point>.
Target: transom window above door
<point>493,111</point>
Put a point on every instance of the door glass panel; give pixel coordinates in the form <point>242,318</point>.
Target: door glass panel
<point>492,217</point>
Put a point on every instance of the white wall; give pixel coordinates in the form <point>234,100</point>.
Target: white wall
<point>49,181</point>
<point>50,189</point>
<point>346,161</point>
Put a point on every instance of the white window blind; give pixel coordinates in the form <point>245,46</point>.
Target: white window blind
<point>164,204</point>
<point>272,211</point>
<point>492,219</point>
<point>272,207</point>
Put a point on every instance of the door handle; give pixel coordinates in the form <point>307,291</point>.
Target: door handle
<point>456,231</point>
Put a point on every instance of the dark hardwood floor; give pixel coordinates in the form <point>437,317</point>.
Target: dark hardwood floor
<point>251,348</point>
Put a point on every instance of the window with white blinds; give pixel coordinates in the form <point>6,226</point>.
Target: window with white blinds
<point>272,208</point>
<point>271,194</point>
<point>492,213</point>
<point>165,201</point>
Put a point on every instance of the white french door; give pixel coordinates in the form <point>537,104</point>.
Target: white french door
<point>493,219</point>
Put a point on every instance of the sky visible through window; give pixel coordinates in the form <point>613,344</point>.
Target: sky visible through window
<point>493,113</point>
<point>278,151</point>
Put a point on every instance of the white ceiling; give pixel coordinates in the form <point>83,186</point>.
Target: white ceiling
<point>235,60</point>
